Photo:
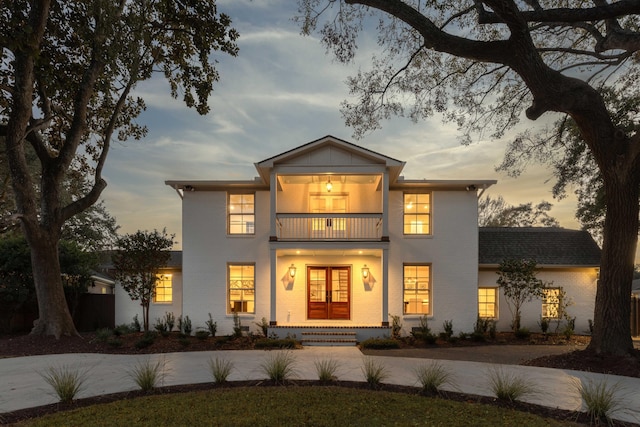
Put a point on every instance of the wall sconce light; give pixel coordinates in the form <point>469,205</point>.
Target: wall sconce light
<point>329,186</point>
<point>365,272</point>
<point>292,271</point>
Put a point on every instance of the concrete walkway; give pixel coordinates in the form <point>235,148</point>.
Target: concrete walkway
<point>21,385</point>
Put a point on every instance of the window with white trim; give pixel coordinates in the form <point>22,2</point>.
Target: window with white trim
<point>417,289</point>
<point>417,213</point>
<point>241,288</point>
<point>241,216</point>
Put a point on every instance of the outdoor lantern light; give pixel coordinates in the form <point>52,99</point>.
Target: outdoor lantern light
<point>292,270</point>
<point>365,272</point>
<point>329,186</point>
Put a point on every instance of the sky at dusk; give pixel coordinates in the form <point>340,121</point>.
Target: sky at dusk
<point>282,91</point>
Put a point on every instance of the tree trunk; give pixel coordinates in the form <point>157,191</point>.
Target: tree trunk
<point>611,326</point>
<point>54,317</point>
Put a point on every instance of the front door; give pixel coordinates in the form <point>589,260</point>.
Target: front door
<point>328,290</point>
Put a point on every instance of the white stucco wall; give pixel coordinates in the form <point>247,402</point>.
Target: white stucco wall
<point>579,284</point>
<point>452,251</point>
<point>206,252</point>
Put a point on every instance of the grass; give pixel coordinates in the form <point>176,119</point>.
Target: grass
<point>66,381</point>
<point>279,366</point>
<point>326,369</point>
<point>220,369</point>
<point>374,372</point>
<point>508,385</point>
<point>600,398</point>
<point>326,406</point>
<point>432,376</point>
<point>148,375</point>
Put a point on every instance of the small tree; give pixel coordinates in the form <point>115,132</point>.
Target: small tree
<point>137,263</point>
<point>517,278</point>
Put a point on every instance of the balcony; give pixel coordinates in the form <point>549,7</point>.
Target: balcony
<point>329,227</point>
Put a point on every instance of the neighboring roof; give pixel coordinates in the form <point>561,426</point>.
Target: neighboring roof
<point>549,246</point>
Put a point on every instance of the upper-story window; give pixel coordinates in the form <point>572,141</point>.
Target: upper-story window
<point>241,214</point>
<point>417,213</point>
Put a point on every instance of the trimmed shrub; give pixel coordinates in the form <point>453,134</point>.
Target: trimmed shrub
<point>275,343</point>
<point>379,343</point>
<point>202,334</point>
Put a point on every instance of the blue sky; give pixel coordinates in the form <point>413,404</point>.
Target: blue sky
<point>282,91</point>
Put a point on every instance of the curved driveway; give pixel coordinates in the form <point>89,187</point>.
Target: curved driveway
<point>21,385</point>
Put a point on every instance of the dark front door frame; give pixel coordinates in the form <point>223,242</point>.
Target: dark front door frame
<point>328,292</point>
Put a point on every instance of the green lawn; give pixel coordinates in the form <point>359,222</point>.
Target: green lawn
<point>292,406</point>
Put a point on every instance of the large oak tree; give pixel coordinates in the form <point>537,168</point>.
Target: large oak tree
<point>67,72</point>
<point>482,63</point>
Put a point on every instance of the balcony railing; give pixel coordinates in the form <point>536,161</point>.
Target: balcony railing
<point>329,226</point>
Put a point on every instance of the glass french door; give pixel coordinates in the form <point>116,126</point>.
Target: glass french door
<point>330,227</point>
<point>328,290</point>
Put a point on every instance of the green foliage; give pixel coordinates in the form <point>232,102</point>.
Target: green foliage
<point>517,279</point>
<point>220,369</point>
<point>326,369</point>
<point>264,343</point>
<point>161,327</point>
<point>432,376</point>
<point>212,326</point>
<point>125,329</point>
<point>114,342</point>
<point>374,372</point>
<point>187,327</point>
<point>202,334</point>
<point>66,381</point>
<point>601,399</point>
<point>263,327</point>
<point>237,325</point>
<point>148,338</point>
<point>544,324</point>
<point>447,327</point>
<point>148,375</point>
<point>135,325</point>
<point>137,263</point>
<point>522,333</point>
<point>103,334</point>
<point>169,320</point>
<point>423,331</point>
<point>506,385</point>
<point>396,326</point>
<point>380,343</point>
<point>279,366</point>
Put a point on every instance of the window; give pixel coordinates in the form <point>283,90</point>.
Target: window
<point>241,214</point>
<point>488,303</point>
<point>241,288</point>
<point>164,288</point>
<point>417,289</point>
<point>417,213</point>
<point>551,302</point>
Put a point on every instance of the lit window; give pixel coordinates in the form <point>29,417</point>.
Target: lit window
<point>241,288</point>
<point>488,303</point>
<point>241,214</point>
<point>417,289</point>
<point>417,213</point>
<point>551,302</point>
<point>164,288</point>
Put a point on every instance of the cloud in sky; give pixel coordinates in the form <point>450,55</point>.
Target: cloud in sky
<point>280,92</point>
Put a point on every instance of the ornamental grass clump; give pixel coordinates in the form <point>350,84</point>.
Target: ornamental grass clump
<point>148,375</point>
<point>508,385</point>
<point>374,372</point>
<point>432,376</point>
<point>65,380</point>
<point>220,369</point>
<point>326,369</point>
<point>279,366</point>
<point>600,398</point>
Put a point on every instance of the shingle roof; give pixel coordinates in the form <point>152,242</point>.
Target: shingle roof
<point>547,245</point>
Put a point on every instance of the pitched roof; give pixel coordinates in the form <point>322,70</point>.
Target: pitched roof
<point>550,246</point>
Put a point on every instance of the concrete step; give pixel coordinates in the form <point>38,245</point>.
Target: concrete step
<point>329,338</point>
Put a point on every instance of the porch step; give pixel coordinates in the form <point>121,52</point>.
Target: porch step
<point>329,338</point>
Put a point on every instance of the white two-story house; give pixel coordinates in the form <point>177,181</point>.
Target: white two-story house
<point>329,235</point>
